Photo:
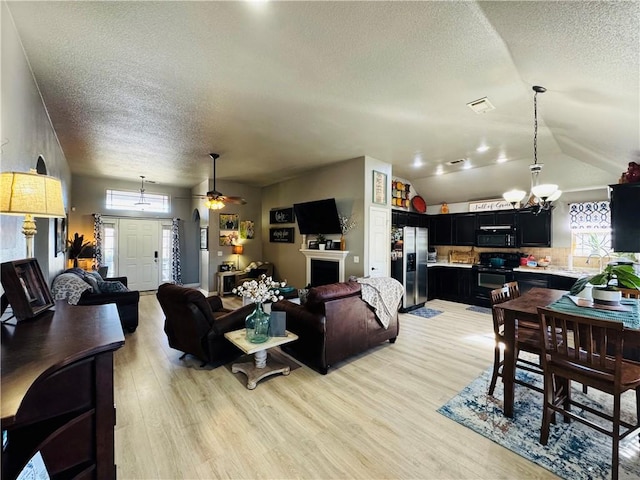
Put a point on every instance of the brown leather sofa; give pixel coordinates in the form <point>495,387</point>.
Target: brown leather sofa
<point>334,324</point>
<point>196,325</point>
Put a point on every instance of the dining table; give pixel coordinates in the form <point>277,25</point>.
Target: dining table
<point>525,309</point>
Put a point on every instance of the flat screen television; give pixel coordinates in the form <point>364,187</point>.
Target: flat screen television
<point>319,216</point>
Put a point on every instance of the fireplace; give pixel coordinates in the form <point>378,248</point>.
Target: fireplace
<point>324,272</point>
<point>325,266</point>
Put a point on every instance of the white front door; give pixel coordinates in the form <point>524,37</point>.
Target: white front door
<point>379,242</point>
<point>138,253</point>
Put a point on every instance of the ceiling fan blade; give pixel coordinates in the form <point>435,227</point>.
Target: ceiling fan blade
<point>233,200</point>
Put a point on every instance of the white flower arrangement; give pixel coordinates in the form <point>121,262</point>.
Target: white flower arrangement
<point>347,223</point>
<point>260,290</point>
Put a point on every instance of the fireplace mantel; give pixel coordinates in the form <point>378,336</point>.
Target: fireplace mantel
<point>338,256</point>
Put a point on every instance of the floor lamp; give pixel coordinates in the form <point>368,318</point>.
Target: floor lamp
<point>32,195</point>
<point>237,250</point>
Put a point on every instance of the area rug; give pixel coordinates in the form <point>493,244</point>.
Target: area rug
<point>425,312</point>
<point>475,308</point>
<point>574,451</point>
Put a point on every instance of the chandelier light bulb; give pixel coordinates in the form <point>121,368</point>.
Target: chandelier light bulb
<point>214,204</point>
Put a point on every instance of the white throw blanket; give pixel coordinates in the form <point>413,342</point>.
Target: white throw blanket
<point>384,295</point>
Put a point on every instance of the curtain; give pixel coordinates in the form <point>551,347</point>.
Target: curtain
<point>589,215</point>
<point>176,268</point>
<point>97,234</point>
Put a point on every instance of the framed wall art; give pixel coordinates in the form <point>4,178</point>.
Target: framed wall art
<point>204,238</point>
<point>247,229</point>
<point>281,235</point>
<point>229,221</point>
<point>379,188</point>
<point>282,215</point>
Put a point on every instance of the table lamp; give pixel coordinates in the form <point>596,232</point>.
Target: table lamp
<point>237,250</point>
<point>32,195</point>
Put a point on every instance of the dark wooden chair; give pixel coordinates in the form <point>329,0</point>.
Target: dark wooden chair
<point>629,292</point>
<point>514,289</point>
<point>528,339</point>
<point>574,354</point>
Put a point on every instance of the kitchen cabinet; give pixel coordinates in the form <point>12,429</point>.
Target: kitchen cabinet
<point>464,229</point>
<point>534,230</point>
<point>527,281</point>
<point>625,217</point>
<point>442,230</point>
<point>399,218</point>
<point>450,283</point>
<point>500,217</point>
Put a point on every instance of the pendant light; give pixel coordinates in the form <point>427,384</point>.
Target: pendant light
<point>542,194</point>
<point>142,201</point>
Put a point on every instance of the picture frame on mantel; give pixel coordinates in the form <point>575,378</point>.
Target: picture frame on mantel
<point>379,188</point>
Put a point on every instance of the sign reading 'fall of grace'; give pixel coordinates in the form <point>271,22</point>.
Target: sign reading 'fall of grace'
<point>488,205</point>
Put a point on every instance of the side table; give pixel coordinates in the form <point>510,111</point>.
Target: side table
<point>262,366</point>
<point>227,281</point>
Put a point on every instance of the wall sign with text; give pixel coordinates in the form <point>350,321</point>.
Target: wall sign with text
<point>281,235</point>
<point>282,215</point>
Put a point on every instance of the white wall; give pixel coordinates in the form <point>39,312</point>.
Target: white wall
<point>27,133</point>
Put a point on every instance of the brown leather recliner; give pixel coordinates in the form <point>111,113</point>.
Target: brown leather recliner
<point>196,325</point>
<point>334,324</point>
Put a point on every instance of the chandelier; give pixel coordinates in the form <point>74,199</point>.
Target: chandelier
<point>541,194</point>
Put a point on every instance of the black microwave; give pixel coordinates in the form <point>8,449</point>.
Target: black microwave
<point>496,236</point>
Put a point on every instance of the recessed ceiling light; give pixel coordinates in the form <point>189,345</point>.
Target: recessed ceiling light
<point>502,159</point>
<point>439,170</point>
<point>482,148</point>
<point>482,105</point>
<point>417,160</point>
<point>467,165</point>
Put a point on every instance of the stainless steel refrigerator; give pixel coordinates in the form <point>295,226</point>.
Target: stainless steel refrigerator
<point>410,266</point>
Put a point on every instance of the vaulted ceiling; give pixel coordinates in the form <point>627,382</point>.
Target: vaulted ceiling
<point>276,88</point>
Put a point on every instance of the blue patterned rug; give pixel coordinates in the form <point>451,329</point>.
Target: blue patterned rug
<point>475,308</point>
<point>425,312</point>
<point>574,451</point>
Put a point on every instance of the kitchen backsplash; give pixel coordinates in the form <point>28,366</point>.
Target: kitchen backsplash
<point>559,256</point>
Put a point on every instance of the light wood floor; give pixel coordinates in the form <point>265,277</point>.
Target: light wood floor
<point>374,417</point>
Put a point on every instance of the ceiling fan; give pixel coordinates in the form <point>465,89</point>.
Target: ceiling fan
<point>215,199</point>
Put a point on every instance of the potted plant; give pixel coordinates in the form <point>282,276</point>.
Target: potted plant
<point>605,283</point>
<point>322,241</point>
<point>76,247</point>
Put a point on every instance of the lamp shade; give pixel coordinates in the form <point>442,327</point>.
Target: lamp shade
<point>514,196</point>
<point>544,191</point>
<point>214,204</point>
<point>238,249</point>
<point>30,193</point>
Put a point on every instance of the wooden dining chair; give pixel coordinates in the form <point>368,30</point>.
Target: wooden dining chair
<point>574,354</point>
<point>629,292</point>
<point>527,339</point>
<point>514,289</point>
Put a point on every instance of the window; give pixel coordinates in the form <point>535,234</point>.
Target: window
<point>166,253</point>
<point>590,224</point>
<point>109,247</point>
<point>127,200</point>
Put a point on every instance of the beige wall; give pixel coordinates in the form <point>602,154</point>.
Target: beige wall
<point>343,181</point>
<point>27,133</point>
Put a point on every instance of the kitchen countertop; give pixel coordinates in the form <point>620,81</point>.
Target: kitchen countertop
<point>551,270</point>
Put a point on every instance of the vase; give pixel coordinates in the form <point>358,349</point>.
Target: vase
<point>257,325</point>
<point>343,243</point>
<point>606,297</point>
<point>322,246</point>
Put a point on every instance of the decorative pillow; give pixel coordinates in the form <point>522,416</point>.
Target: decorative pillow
<point>69,287</point>
<point>302,294</point>
<point>113,287</point>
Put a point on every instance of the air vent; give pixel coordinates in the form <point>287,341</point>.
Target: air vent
<point>482,105</point>
<point>456,162</point>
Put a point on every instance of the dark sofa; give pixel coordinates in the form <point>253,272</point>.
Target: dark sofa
<point>83,288</point>
<point>333,324</point>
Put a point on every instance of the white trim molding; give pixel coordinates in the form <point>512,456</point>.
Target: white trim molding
<point>327,255</point>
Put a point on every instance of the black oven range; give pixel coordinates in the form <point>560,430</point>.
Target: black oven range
<point>492,271</point>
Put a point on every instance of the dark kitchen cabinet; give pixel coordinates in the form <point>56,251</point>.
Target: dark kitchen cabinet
<point>534,229</point>
<point>433,274</point>
<point>453,284</point>
<point>464,229</point>
<point>625,217</point>
<point>399,219</point>
<point>527,281</point>
<point>500,217</point>
<point>442,230</point>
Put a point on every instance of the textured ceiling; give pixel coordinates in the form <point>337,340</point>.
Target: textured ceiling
<point>150,88</point>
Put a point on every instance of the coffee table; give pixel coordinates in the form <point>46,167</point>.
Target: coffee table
<point>262,366</point>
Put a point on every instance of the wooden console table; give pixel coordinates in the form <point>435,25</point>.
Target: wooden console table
<point>57,391</point>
